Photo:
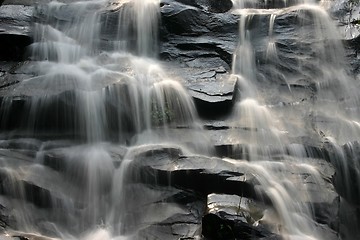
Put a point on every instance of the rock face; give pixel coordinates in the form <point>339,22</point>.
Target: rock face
<point>200,40</point>
<point>348,13</point>
<point>261,166</point>
<point>15,32</point>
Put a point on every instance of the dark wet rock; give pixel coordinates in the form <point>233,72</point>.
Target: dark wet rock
<point>166,166</point>
<point>214,227</point>
<point>17,235</point>
<point>354,43</point>
<point>214,37</point>
<point>24,190</point>
<point>347,14</point>
<point>212,107</point>
<point>55,113</point>
<point>353,53</point>
<point>213,99</point>
<point>12,73</point>
<point>25,144</point>
<point>349,220</point>
<point>210,5</point>
<point>183,19</point>
<point>23,180</point>
<point>9,80</point>
<point>15,31</point>
<point>12,114</point>
<point>55,160</point>
<point>164,212</point>
<point>241,150</point>
<point>328,214</point>
<point>219,6</point>
<point>55,156</point>
<point>222,226</point>
<point>200,43</point>
<point>185,225</point>
<point>346,161</point>
<point>216,125</point>
<point>59,14</point>
<point>52,115</point>
<point>28,2</point>
<point>185,50</point>
<point>204,72</point>
<point>234,217</point>
<point>207,63</point>
<point>4,218</point>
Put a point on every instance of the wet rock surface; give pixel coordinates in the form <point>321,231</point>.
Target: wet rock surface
<point>15,31</point>
<point>199,40</point>
<point>347,13</point>
<point>225,226</point>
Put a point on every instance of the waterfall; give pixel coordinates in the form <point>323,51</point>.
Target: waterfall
<point>108,144</point>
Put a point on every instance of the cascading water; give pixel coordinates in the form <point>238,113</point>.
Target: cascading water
<point>99,96</point>
<point>268,134</point>
<point>68,63</point>
<point>140,22</point>
<point>99,87</point>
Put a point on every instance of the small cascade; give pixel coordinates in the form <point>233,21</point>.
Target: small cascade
<point>240,4</point>
<point>138,27</point>
<point>347,171</point>
<point>62,39</point>
<point>271,52</point>
<point>243,58</point>
<point>249,113</point>
<point>279,182</point>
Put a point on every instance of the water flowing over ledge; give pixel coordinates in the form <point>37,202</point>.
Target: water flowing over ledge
<point>136,119</point>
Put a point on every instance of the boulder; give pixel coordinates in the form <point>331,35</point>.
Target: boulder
<point>15,31</point>
<point>234,217</point>
<point>213,97</point>
<point>183,222</point>
<point>222,226</point>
